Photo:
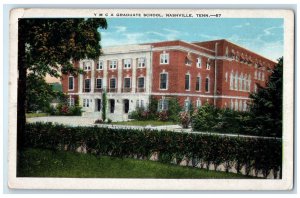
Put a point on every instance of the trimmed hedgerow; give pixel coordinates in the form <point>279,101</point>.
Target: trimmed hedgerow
<point>254,154</point>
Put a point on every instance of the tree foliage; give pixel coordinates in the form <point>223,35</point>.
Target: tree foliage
<point>266,106</point>
<point>39,93</point>
<point>49,46</point>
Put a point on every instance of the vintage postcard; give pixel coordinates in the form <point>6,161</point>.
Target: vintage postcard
<point>151,99</point>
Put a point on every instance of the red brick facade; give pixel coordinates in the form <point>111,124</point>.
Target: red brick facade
<point>218,72</point>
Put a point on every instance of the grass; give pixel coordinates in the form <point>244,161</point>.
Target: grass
<point>46,163</point>
<point>32,115</point>
<point>144,123</point>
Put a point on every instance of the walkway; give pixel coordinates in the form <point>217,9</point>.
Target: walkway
<point>75,121</point>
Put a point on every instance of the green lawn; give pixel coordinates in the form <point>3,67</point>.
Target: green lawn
<point>32,115</point>
<point>46,163</point>
<point>144,123</point>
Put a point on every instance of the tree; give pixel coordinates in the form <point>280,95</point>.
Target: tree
<point>39,94</point>
<point>266,106</point>
<point>48,46</point>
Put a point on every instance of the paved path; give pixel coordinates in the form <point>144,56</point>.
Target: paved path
<point>87,121</point>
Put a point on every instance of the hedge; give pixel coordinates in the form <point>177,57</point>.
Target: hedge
<point>259,154</point>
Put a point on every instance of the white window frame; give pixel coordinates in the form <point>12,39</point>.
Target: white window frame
<point>198,103</point>
<point>141,62</point>
<point>198,83</point>
<point>199,62</point>
<point>208,64</point>
<point>127,63</point>
<point>113,64</point>
<point>208,91</point>
<point>138,82</point>
<point>231,81</point>
<point>129,83</point>
<point>164,104</point>
<point>100,65</point>
<point>115,83</point>
<point>73,84</point>
<point>164,58</point>
<point>189,85</point>
<point>71,102</point>
<point>86,68</point>
<point>167,81</point>
<point>97,83</point>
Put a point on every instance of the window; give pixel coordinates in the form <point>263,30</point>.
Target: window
<point>259,75</point>
<point>163,81</point>
<point>198,103</point>
<point>208,64</point>
<point>240,105</point>
<point>141,82</point>
<point>127,63</point>
<point>87,85</point>
<point>113,64</point>
<point>263,76</point>
<point>186,105</point>
<point>164,58</point>
<point>142,104</point>
<point>255,75</point>
<point>187,82</point>
<point>87,66</point>
<point>126,83</point>
<point>188,61</point>
<point>249,83</point>
<point>71,102</point>
<point>99,83</point>
<point>207,84</point>
<point>244,106</point>
<point>71,83</point>
<point>100,65</point>
<point>226,76</point>
<point>163,105</point>
<point>198,83</point>
<point>231,104</point>
<point>255,88</point>
<point>236,81</point>
<point>231,80</point>
<point>241,82</point>
<point>112,83</point>
<point>111,105</point>
<point>245,82</point>
<point>86,102</point>
<point>141,62</point>
<point>236,105</point>
<point>199,62</point>
<point>137,103</point>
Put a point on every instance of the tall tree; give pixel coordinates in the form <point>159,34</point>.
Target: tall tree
<point>48,46</point>
<point>266,106</point>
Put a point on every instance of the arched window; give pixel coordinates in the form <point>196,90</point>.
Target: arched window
<point>231,80</point>
<point>236,81</point>
<point>207,84</point>
<point>249,83</point>
<point>241,81</point>
<point>236,105</point>
<point>245,82</point>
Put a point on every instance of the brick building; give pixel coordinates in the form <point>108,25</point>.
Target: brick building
<point>218,72</point>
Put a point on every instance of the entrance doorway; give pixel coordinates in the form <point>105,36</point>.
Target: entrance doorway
<point>126,105</point>
<point>98,104</point>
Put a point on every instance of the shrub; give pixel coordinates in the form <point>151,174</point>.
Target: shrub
<point>185,119</point>
<point>109,121</point>
<point>163,116</point>
<point>257,154</point>
<point>98,121</point>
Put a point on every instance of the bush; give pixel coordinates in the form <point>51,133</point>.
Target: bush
<point>259,154</point>
<point>185,119</point>
<point>163,116</point>
<point>99,121</point>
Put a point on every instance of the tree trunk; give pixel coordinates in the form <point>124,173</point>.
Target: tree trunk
<point>21,118</point>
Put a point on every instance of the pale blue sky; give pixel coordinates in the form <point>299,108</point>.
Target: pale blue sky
<point>261,35</point>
